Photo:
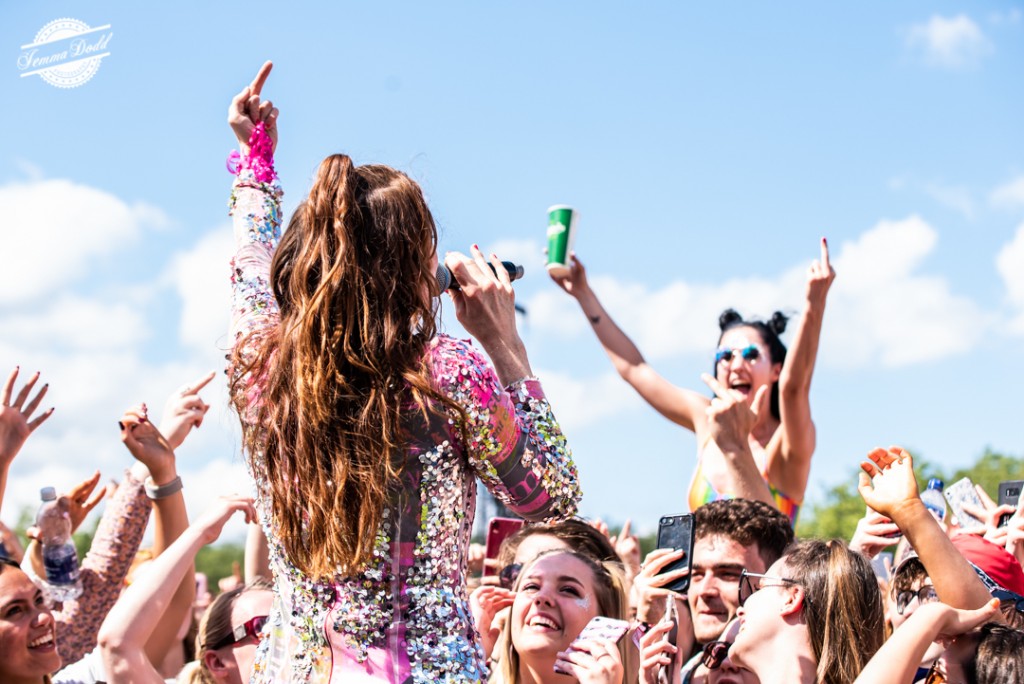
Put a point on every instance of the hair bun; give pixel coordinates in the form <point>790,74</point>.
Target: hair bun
<point>729,318</point>
<point>777,323</point>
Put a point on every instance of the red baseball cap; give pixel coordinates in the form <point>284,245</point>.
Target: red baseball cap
<point>997,563</point>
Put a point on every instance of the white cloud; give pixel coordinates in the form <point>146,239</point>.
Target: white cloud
<point>1010,195</point>
<point>882,310</point>
<point>201,277</point>
<point>582,402</point>
<point>950,43</point>
<point>1010,263</point>
<point>79,323</point>
<point>60,225</point>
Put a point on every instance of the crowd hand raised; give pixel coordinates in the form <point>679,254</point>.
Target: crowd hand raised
<point>575,283</point>
<point>247,110</point>
<point>627,546</point>
<point>184,410</point>
<point>990,514</point>
<point>79,502</point>
<point>1015,533</point>
<point>730,419</point>
<point>656,653</point>
<point>16,421</point>
<point>649,592</point>
<point>147,445</point>
<point>211,523</point>
<point>485,305</point>
<point>870,537</point>
<point>487,603</point>
<point>820,276</point>
<point>887,483</point>
<point>591,662</point>
<point>952,622</point>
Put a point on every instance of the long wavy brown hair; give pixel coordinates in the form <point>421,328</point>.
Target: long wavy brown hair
<point>345,365</point>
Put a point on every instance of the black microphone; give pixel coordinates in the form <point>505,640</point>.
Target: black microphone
<point>446,279</point>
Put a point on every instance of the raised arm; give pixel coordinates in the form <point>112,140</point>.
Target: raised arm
<point>888,486</point>
<point>255,208</point>
<point>131,623</point>
<point>791,463</point>
<point>16,421</point>
<point>898,659</point>
<point>516,445</point>
<point>681,406</point>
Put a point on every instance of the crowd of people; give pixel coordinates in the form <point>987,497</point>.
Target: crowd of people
<point>366,432</point>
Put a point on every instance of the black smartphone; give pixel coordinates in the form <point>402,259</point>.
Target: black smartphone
<point>676,532</point>
<point>1009,493</point>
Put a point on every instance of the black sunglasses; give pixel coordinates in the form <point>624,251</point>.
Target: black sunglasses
<point>509,574</point>
<point>925,594</point>
<point>714,654</point>
<point>250,628</point>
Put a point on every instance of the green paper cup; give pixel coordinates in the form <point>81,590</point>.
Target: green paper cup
<point>561,237</point>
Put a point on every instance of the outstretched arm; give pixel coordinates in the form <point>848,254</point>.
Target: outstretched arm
<point>16,422</point>
<point>515,444</point>
<point>888,486</point>
<point>681,406</point>
<point>898,659</point>
<point>133,619</point>
<point>791,465</point>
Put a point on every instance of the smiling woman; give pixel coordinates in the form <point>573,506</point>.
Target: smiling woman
<point>28,646</point>
<point>556,595</point>
<point>755,435</point>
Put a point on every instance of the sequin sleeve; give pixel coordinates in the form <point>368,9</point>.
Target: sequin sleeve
<point>515,444</point>
<point>255,208</point>
<point>104,568</point>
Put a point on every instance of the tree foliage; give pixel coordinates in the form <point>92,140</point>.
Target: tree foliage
<point>837,513</point>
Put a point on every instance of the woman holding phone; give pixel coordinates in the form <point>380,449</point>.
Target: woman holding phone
<point>755,436</point>
<point>364,428</point>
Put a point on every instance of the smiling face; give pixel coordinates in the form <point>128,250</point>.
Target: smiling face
<point>714,582</point>
<point>741,374</point>
<point>232,664</point>
<point>762,618</point>
<point>28,642</point>
<point>554,602</point>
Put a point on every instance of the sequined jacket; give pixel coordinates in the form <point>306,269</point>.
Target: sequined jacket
<point>405,617</point>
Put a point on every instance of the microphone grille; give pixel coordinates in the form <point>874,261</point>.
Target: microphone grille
<point>444,278</point>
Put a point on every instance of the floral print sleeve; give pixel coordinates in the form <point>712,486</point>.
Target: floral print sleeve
<point>113,549</point>
<point>516,446</point>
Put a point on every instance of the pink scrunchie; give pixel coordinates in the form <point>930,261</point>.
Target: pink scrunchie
<point>260,158</point>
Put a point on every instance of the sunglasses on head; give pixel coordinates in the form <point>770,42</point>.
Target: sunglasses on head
<point>750,353</point>
<point>714,654</point>
<point>250,628</point>
<point>509,574</point>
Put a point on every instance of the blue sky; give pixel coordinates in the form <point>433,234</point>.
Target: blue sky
<point>707,150</point>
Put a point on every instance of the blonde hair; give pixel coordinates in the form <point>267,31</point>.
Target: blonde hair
<point>612,601</point>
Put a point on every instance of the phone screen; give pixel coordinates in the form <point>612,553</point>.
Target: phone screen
<point>498,530</point>
<point>676,532</point>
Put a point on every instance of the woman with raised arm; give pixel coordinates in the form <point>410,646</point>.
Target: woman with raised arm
<point>364,428</point>
<point>755,437</point>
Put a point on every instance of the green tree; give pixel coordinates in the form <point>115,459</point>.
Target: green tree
<point>837,513</point>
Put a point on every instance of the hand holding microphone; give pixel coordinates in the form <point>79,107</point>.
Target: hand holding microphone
<point>446,279</point>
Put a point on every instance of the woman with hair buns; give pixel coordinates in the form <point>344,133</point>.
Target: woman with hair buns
<point>364,428</point>
<point>755,436</point>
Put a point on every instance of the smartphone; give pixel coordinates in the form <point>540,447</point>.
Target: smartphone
<point>601,627</point>
<point>498,530</point>
<point>882,565</point>
<point>960,493</point>
<point>676,532</point>
<point>1009,493</point>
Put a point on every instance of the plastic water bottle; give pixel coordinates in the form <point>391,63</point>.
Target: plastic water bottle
<point>59,555</point>
<point>933,500</point>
